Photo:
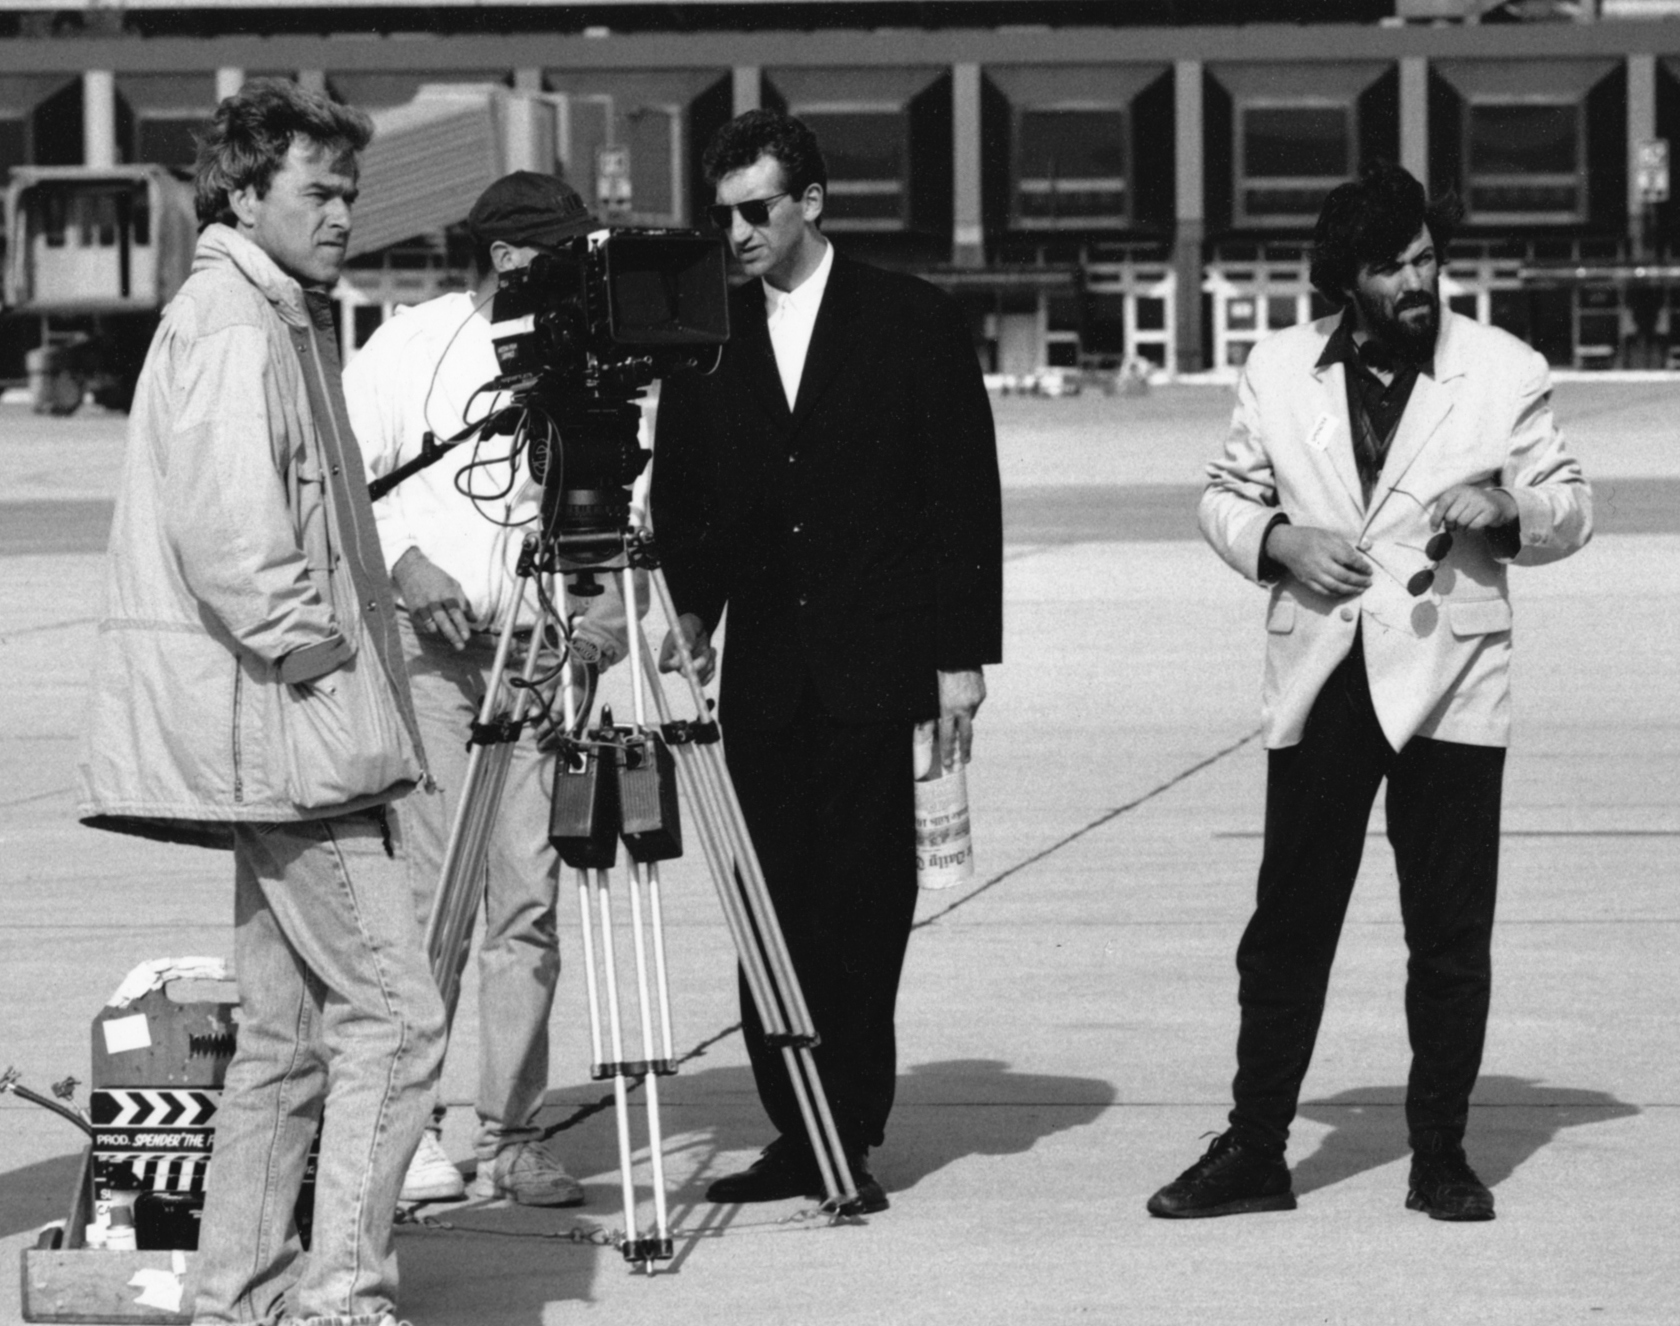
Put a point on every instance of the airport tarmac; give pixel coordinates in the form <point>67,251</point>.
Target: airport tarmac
<point>1067,1018</point>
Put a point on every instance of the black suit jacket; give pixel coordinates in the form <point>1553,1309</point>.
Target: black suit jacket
<point>856,539</point>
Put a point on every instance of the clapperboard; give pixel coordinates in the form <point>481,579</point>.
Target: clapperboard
<point>156,1142</point>
<point>151,1139</point>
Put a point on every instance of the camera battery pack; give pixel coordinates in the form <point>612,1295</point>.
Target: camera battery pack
<point>647,789</point>
<point>583,813</point>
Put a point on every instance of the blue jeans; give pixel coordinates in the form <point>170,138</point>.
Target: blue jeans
<point>519,960</point>
<point>339,1015</point>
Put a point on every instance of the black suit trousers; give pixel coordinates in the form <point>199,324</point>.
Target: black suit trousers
<point>830,807</point>
<point>1443,822</point>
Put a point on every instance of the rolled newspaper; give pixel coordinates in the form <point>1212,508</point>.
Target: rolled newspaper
<point>944,844</point>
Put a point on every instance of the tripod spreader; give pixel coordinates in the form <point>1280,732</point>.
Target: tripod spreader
<point>634,1068</point>
<point>646,1251</point>
<point>690,731</point>
<point>498,730</point>
<point>792,1040</point>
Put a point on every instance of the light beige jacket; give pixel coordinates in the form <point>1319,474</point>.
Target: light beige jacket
<point>1438,663</point>
<point>247,666</point>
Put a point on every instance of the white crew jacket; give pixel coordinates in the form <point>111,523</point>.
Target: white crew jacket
<point>424,370</point>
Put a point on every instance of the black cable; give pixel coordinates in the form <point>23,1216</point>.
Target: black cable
<point>9,1082</point>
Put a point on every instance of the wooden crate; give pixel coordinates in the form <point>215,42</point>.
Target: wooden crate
<point>91,1285</point>
<point>74,1283</point>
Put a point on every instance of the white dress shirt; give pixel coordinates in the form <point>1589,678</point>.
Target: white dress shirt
<point>792,314</point>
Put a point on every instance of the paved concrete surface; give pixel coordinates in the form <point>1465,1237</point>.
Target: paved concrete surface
<point>1067,1020</point>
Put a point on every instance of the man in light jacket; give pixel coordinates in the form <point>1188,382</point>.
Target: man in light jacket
<point>249,693</point>
<point>1382,470</point>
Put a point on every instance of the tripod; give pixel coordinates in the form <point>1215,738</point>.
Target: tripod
<point>617,783</point>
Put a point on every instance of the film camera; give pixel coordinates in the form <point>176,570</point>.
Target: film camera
<point>579,334</point>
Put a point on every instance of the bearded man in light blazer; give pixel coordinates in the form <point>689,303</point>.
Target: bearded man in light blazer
<point>1382,469</point>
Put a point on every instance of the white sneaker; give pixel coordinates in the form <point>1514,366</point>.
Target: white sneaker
<point>525,1173</point>
<point>432,1176</point>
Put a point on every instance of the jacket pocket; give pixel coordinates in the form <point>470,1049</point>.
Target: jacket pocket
<point>341,736</point>
<point>1280,617</point>
<point>1479,617</point>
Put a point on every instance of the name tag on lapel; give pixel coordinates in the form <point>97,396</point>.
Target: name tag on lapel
<point>1319,438</point>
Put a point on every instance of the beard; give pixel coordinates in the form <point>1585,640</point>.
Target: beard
<point>1411,340</point>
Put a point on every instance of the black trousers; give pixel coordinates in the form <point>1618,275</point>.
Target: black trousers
<point>830,807</point>
<point>1443,822</point>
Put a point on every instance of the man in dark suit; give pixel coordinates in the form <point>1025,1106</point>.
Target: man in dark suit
<point>834,484</point>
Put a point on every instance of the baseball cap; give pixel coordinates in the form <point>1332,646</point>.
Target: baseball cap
<point>528,208</point>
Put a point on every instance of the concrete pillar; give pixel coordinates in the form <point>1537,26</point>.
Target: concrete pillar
<point>1191,214</point>
<point>312,80</point>
<point>99,119</point>
<point>228,81</point>
<point>1414,117</point>
<point>748,80</point>
<point>524,139</point>
<point>968,235</point>
<point>529,126</point>
<point>1641,125</point>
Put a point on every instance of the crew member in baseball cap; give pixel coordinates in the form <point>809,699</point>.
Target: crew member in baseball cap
<point>526,209</point>
<point>454,567</point>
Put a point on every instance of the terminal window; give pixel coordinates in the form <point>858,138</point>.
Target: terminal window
<point>14,142</point>
<point>866,151</point>
<point>168,140</point>
<point>1289,156</point>
<point>1524,161</point>
<point>1070,168</point>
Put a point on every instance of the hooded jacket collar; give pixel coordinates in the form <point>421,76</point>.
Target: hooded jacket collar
<point>221,247</point>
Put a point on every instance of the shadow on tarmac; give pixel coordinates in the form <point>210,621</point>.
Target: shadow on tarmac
<point>945,1111</point>
<point>954,1108</point>
<point>1511,1118</point>
<point>521,1260</point>
<point>36,1194</point>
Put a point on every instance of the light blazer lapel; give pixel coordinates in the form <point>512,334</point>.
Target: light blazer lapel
<point>1332,432</point>
<point>1432,401</point>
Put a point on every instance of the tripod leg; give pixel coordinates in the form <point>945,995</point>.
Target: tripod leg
<point>747,878</point>
<point>754,928</point>
<point>586,931</point>
<point>662,983</point>
<point>621,1102</point>
<point>449,928</point>
<point>752,875</point>
<point>656,1138</point>
<point>720,860</point>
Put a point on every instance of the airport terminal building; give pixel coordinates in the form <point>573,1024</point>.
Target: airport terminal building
<point>1096,182</point>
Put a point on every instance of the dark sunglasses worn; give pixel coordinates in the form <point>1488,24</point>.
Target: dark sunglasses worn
<point>754,211</point>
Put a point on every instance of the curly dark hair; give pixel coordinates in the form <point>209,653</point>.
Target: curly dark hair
<point>759,133</point>
<point>1371,219</point>
<point>252,131</point>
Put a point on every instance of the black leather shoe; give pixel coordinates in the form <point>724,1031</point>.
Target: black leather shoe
<point>1444,1187</point>
<point>784,1169</point>
<point>871,1196</point>
<point>1231,1179</point>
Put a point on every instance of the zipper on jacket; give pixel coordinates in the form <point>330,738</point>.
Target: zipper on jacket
<point>238,696</point>
<point>405,713</point>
